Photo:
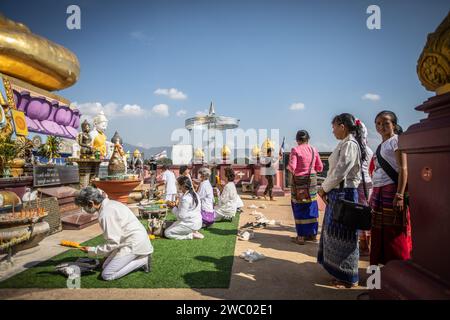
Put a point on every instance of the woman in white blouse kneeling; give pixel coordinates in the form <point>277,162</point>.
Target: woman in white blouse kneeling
<point>127,244</point>
<point>187,211</point>
<point>228,199</point>
<point>206,194</point>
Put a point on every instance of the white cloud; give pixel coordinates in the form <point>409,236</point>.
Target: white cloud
<point>132,110</point>
<point>371,96</point>
<point>161,110</point>
<point>181,113</point>
<point>297,106</point>
<point>143,145</point>
<point>172,93</point>
<point>202,113</point>
<point>140,36</point>
<point>91,109</point>
<point>111,110</point>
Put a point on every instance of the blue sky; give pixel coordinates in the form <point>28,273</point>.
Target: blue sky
<point>254,59</point>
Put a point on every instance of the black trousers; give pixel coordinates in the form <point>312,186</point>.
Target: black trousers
<point>269,186</point>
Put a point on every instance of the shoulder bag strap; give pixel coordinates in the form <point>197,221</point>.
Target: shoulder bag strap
<point>386,166</point>
<point>341,185</point>
<point>362,171</point>
<point>310,167</point>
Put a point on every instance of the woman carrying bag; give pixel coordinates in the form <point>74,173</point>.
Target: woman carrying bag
<point>391,226</point>
<point>304,164</point>
<point>338,248</point>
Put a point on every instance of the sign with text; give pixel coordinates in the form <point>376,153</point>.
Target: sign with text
<point>55,175</point>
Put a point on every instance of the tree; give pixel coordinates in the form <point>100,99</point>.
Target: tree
<point>51,148</point>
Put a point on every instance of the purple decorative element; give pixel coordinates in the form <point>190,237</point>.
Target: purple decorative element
<point>63,116</point>
<point>31,124</point>
<point>55,105</point>
<point>66,133</point>
<point>75,119</point>
<point>23,101</point>
<point>52,128</point>
<point>73,132</point>
<point>43,116</point>
<point>38,109</point>
<point>17,98</point>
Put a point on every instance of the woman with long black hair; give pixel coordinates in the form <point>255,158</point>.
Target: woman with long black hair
<point>188,213</point>
<point>391,227</point>
<point>338,248</point>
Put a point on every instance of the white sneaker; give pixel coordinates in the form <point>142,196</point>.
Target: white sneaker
<point>197,235</point>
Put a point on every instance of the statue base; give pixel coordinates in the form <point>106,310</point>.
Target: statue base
<point>88,169</point>
<point>118,190</point>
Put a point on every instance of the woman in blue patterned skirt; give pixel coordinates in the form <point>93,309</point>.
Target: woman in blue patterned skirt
<point>304,164</point>
<point>338,249</point>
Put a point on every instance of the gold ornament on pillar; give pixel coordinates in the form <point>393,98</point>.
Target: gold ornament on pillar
<point>225,152</point>
<point>136,153</point>
<point>266,145</point>
<point>433,66</point>
<point>256,151</point>
<point>199,155</point>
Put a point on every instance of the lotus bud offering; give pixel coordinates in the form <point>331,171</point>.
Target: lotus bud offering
<point>71,244</point>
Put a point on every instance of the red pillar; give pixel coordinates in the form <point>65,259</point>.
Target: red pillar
<point>427,274</point>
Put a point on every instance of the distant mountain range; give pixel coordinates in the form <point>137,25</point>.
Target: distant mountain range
<point>148,152</point>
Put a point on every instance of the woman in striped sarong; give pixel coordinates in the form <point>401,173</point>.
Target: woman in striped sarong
<point>338,248</point>
<point>391,226</point>
<point>391,229</point>
<point>304,163</point>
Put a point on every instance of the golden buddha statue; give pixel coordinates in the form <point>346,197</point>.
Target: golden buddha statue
<point>98,135</point>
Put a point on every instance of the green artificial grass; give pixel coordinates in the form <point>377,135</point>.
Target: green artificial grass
<point>202,263</point>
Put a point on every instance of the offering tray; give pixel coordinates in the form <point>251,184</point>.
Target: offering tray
<point>153,211</point>
<point>6,246</point>
<point>23,217</point>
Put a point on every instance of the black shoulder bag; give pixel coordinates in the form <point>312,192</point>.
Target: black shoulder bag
<point>350,214</point>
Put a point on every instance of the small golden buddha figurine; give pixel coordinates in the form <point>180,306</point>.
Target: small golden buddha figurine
<point>85,141</point>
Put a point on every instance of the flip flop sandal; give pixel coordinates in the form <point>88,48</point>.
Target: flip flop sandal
<point>297,241</point>
<point>247,225</point>
<point>342,285</point>
<point>311,239</point>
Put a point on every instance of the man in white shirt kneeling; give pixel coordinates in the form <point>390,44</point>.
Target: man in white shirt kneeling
<point>127,244</point>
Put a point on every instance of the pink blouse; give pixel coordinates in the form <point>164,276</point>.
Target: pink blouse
<point>300,160</point>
